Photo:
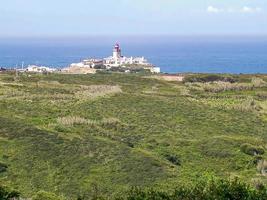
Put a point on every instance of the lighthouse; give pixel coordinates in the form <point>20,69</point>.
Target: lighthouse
<point>117,52</point>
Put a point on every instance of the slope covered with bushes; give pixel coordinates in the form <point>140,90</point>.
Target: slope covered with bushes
<point>71,135</point>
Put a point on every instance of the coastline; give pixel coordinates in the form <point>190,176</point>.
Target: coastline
<point>196,55</point>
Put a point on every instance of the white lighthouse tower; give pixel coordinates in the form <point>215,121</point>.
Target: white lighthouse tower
<point>117,52</point>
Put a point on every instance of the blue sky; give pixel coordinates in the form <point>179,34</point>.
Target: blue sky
<point>132,17</point>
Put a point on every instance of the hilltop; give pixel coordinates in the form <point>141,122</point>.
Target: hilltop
<point>70,134</point>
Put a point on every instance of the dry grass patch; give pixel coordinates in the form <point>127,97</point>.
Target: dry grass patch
<point>94,91</point>
<point>76,120</point>
<point>11,84</point>
<point>10,93</point>
<point>108,121</point>
<point>185,92</point>
<point>178,78</point>
<point>221,86</point>
<point>248,105</point>
<point>262,167</point>
<point>50,84</point>
<point>67,92</point>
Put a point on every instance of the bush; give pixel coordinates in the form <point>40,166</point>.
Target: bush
<point>251,150</point>
<point>216,86</point>
<point>3,167</point>
<point>173,159</point>
<point>139,194</point>
<point>256,159</point>
<point>203,190</point>
<point>6,194</point>
<point>42,195</point>
<point>208,78</point>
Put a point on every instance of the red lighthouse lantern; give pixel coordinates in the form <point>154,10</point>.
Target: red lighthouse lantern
<point>117,51</point>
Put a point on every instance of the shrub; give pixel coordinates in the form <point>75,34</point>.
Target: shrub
<point>128,142</point>
<point>217,86</point>
<point>3,167</point>
<point>139,194</point>
<point>258,184</point>
<point>221,86</point>
<point>42,195</point>
<point>208,78</point>
<point>173,159</point>
<point>62,128</point>
<point>262,95</point>
<point>251,150</point>
<point>6,194</point>
<point>203,190</point>
<point>256,159</point>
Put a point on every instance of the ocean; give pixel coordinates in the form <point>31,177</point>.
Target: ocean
<point>198,54</point>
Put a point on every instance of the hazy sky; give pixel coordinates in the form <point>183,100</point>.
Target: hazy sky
<point>131,17</point>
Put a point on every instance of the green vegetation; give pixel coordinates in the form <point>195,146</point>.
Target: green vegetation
<point>205,78</point>
<point>203,190</point>
<point>252,150</point>
<point>7,194</point>
<point>3,167</point>
<point>42,195</point>
<point>65,136</point>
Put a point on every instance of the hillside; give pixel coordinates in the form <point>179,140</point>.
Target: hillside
<point>71,134</point>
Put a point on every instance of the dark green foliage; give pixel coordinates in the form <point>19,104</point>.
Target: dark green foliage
<point>100,67</point>
<point>3,167</point>
<point>209,78</point>
<point>131,69</point>
<point>42,195</point>
<point>140,194</point>
<point>6,194</point>
<point>129,144</point>
<point>173,159</point>
<point>251,150</point>
<point>256,159</point>
<point>203,190</point>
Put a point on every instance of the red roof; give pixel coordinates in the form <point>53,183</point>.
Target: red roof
<point>117,45</point>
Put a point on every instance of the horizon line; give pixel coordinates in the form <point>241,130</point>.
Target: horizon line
<point>126,35</point>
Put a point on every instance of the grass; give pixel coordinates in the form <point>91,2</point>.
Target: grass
<point>67,134</point>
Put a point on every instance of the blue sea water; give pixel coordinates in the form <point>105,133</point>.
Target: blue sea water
<point>201,54</point>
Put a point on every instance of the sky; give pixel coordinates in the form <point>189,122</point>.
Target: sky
<point>41,18</point>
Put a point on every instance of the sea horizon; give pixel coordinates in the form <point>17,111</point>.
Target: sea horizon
<point>173,54</point>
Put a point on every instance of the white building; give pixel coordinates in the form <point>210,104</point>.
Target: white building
<point>39,69</point>
<point>94,63</point>
<point>116,60</point>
